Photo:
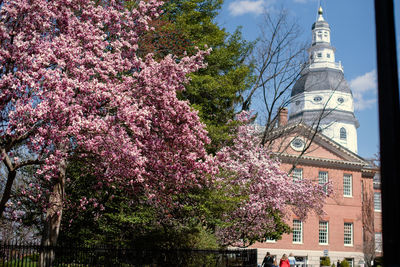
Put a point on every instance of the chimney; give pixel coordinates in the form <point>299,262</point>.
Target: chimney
<point>283,117</point>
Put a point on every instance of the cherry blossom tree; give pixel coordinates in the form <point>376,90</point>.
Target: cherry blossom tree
<point>72,85</point>
<point>267,191</point>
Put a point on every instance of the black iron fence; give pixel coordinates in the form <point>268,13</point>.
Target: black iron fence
<point>30,255</point>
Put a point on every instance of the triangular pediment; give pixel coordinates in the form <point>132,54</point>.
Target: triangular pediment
<point>286,141</point>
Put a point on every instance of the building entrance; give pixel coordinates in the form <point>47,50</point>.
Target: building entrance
<point>301,261</point>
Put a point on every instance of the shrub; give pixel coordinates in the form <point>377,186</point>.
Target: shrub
<point>325,261</point>
<point>344,263</point>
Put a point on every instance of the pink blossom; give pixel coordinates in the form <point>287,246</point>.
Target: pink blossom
<point>66,94</point>
<point>248,169</point>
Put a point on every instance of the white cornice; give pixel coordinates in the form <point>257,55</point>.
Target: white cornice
<point>332,163</point>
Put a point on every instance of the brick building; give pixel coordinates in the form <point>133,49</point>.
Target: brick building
<point>321,114</point>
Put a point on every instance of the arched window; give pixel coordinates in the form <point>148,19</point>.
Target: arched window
<point>343,133</point>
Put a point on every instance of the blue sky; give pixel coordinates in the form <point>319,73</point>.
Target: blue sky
<point>352,34</point>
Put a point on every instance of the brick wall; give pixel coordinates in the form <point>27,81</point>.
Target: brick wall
<point>339,210</point>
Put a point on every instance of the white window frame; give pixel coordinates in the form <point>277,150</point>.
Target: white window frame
<point>323,233</point>
<point>377,201</point>
<point>347,185</point>
<point>297,175</point>
<point>297,232</point>
<point>323,179</point>
<point>348,234</point>
<point>378,242</point>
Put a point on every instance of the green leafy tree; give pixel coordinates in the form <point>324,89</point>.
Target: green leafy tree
<point>217,90</point>
<point>125,221</point>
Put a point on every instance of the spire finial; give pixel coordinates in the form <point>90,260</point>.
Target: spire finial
<point>320,11</point>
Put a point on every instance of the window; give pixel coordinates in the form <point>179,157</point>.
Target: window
<point>297,231</point>
<point>319,55</point>
<point>323,179</point>
<point>318,99</point>
<point>340,100</point>
<point>323,233</point>
<point>297,144</point>
<point>347,185</point>
<point>378,242</point>
<point>377,201</point>
<point>377,181</point>
<point>350,261</point>
<point>343,134</point>
<point>270,240</point>
<point>348,234</point>
<point>297,175</point>
<point>328,55</point>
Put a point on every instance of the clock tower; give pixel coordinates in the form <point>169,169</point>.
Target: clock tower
<point>322,98</point>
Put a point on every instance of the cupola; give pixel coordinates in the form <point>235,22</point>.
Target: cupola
<point>321,97</point>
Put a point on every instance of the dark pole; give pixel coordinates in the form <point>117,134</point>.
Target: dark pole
<point>389,123</point>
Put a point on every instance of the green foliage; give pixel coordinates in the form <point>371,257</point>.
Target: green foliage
<point>216,90</point>
<point>280,227</point>
<point>344,263</point>
<point>325,261</point>
<point>26,262</point>
<point>131,221</point>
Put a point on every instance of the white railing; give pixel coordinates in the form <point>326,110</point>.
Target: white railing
<point>325,64</point>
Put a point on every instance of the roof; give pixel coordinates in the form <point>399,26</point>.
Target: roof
<point>320,24</point>
<point>321,79</point>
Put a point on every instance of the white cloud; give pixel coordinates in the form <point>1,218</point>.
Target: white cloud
<point>238,8</point>
<point>364,89</point>
<point>303,1</point>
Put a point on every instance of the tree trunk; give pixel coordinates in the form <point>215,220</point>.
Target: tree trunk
<point>7,191</point>
<point>53,219</point>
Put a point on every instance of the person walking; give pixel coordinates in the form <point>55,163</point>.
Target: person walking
<point>268,261</point>
<point>292,260</point>
<point>284,262</point>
